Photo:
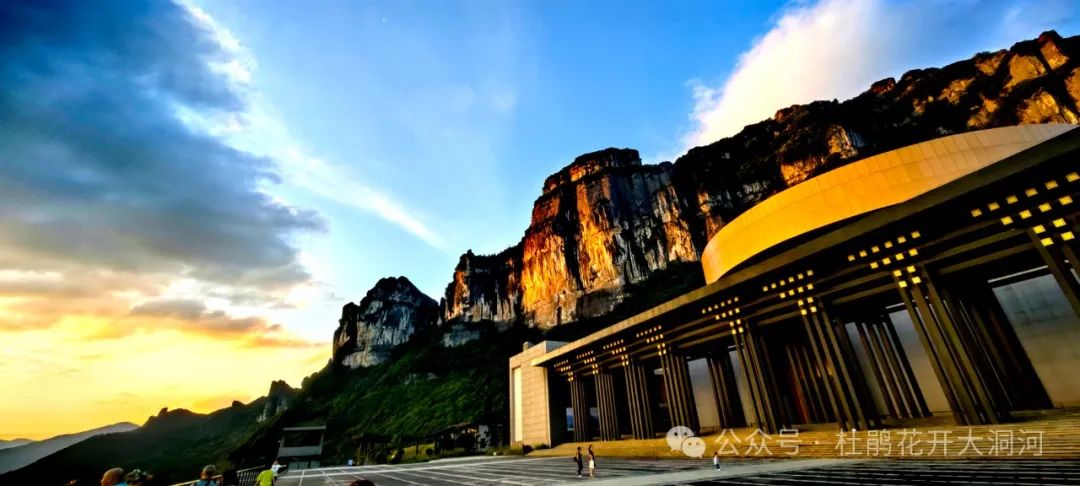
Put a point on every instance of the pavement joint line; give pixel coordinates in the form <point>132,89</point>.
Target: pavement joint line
<point>709,473</point>
<point>436,477</point>
<point>485,479</point>
<point>404,467</point>
<point>517,474</point>
<point>398,479</point>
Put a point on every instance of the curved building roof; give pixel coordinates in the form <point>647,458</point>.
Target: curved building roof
<point>864,186</point>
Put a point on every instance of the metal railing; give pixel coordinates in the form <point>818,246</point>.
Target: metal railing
<point>244,477</point>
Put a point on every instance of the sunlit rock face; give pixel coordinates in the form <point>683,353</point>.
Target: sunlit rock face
<point>391,312</point>
<point>1035,81</point>
<point>485,287</point>
<point>602,222</point>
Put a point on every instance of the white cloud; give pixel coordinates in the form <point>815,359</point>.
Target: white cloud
<point>834,49</point>
<point>259,130</point>
<point>336,183</point>
<point>825,50</point>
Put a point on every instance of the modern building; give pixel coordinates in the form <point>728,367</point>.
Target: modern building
<point>939,278</point>
<point>301,447</point>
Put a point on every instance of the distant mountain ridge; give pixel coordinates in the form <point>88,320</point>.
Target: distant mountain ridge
<point>174,445</point>
<point>7,444</point>
<point>16,457</point>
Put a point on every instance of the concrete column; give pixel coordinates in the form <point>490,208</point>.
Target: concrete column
<point>882,375</point>
<point>758,372</point>
<point>815,381</point>
<point>1022,384</point>
<point>680,392</point>
<point>964,386</point>
<point>637,391</point>
<point>1054,259</point>
<point>854,389</point>
<point>823,361</point>
<point>726,392</point>
<point>579,403</point>
<point>909,386</point>
<point>605,401</point>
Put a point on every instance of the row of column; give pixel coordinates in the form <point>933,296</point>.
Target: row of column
<point>725,390</point>
<point>954,351</point>
<point>892,371</point>
<point>640,406</point>
<point>845,390</point>
<point>579,404</point>
<point>606,402</point>
<point>757,368</point>
<point>680,392</point>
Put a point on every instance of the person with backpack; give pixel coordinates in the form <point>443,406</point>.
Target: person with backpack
<point>207,476</point>
<point>577,459</point>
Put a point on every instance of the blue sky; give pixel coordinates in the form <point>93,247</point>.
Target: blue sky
<point>457,111</point>
<point>217,178</point>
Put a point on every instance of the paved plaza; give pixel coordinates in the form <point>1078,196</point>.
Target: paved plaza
<point>631,472</point>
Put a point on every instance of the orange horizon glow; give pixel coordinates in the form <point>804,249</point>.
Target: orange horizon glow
<point>62,379</point>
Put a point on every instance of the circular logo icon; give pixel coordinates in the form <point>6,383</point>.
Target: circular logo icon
<point>677,435</point>
<point>693,447</point>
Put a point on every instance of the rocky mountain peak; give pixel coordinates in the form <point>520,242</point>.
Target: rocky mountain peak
<point>277,399</point>
<point>388,315</point>
<point>590,164</point>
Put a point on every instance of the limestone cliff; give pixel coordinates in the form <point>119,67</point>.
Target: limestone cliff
<point>602,222</point>
<point>606,222</point>
<point>485,287</point>
<point>391,312</point>
<point>1035,81</point>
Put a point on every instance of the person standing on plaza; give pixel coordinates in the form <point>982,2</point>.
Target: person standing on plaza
<point>716,459</point>
<point>592,462</point>
<point>577,459</point>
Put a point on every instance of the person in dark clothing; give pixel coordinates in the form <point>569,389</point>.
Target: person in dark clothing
<point>577,459</point>
<point>228,478</point>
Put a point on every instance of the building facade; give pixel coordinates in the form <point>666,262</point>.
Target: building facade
<point>939,278</point>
